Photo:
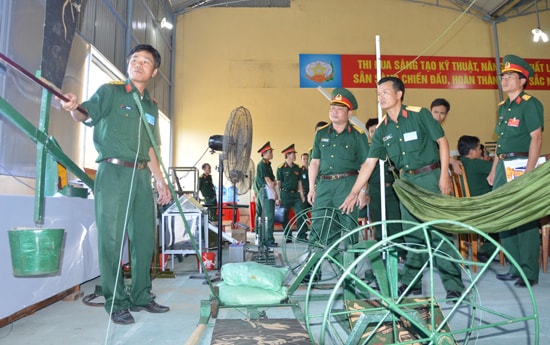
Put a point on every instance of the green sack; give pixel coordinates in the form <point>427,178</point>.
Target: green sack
<point>245,295</point>
<point>254,274</point>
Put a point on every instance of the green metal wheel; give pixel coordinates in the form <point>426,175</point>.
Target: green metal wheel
<point>314,231</point>
<point>358,313</point>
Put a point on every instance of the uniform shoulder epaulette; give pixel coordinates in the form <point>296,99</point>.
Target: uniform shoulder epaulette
<point>357,128</point>
<point>413,108</point>
<point>501,103</point>
<point>526,97</point>
<point>322,127</point>
<point>383,121</point>
<point>117,82</point>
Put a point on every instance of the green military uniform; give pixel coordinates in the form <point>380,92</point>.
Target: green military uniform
<point>516,120</point>
<point>340,157</point>
<point>411,143</point>
<point>290,178</point>
<point>206,187</point>
<point>119,191</point>
<point>265,206</point>
<point>339,154</point>
<point>392,202</point>
<point>477,171</point>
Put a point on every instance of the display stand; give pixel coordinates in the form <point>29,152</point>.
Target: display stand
<point>173,236</point>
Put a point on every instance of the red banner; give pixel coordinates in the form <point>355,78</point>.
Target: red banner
<point>435,72</point>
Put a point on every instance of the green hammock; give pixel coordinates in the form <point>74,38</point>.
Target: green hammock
<point>522,200</point>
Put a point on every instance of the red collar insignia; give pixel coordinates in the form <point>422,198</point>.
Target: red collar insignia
<point>128,87</point>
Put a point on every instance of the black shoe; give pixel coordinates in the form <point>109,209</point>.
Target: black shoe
<point>452,296</point>
<point>507,276</point>
<point>412,291</point>
<point>521,283</point>
<point>152,307</point>
<point>122,317</point>
<point>288,240</point>
<point>272,245</point>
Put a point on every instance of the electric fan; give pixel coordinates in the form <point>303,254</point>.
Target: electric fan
<point>244,185</point>
<point>235,145</point>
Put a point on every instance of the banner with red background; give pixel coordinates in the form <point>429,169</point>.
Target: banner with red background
<point>427,72</point>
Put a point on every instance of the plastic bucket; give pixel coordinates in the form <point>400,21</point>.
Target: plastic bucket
<point>209,260</point>
<point>35,251</point>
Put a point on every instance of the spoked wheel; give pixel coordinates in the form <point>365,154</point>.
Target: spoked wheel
<point>357,313</point>
<point>314,231</point>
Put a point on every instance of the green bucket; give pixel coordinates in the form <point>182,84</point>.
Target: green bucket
<point>34,251</point>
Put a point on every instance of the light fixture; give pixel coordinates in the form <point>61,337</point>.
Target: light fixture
<point>166,24</point>
<point>538,34</point>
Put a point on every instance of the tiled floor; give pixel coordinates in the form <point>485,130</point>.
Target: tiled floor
<point>77,323</point>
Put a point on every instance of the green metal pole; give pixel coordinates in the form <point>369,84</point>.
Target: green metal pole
<point>41,156</point>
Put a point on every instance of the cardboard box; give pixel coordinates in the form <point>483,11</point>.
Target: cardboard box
<point>239,235</point>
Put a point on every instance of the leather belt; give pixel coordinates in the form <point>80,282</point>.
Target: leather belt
<point>424,169</point>
<point>291,191</point>
<point>513,154</point>
<point>338,176</point>
<point>116,161</point>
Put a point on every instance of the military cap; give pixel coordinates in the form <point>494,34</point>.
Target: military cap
<point>289,149</point>
<point>513,63</point>
<point>264,148</point>
<point>345,97</point>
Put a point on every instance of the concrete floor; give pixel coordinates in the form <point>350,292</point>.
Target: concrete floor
<point>76,323</point>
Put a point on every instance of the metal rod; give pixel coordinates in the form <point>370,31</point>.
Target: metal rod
<point>41,82</point>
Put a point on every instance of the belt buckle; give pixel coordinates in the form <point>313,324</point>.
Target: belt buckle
<point>334,177</point>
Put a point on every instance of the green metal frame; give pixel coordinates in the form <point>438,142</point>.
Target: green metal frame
<point>46,146</point>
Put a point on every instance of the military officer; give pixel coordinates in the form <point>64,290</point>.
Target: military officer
<point>289,182</point>
<point>206,187</point>
<point>416,144</point>
<point>519,128</point>
<point>339,148</point>
<point>266,195</point>
<point>119,112</point>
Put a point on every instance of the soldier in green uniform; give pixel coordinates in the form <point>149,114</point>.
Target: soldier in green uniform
<point>476,170</point>
<point>289,182</point>
<point>339,148</point>
<point>416,144</point>
<point>519,128</point>
<point>206,187</point>
<point>123,193</point>
<point>266,196</point>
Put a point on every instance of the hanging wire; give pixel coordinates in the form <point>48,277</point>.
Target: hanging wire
<point>437,39</point>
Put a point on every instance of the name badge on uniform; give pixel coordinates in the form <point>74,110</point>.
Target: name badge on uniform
<point>324,140</point>
<point>513,122</point>
<point>387,137</point>
<point>150,119</point>
<point>410,136</point>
